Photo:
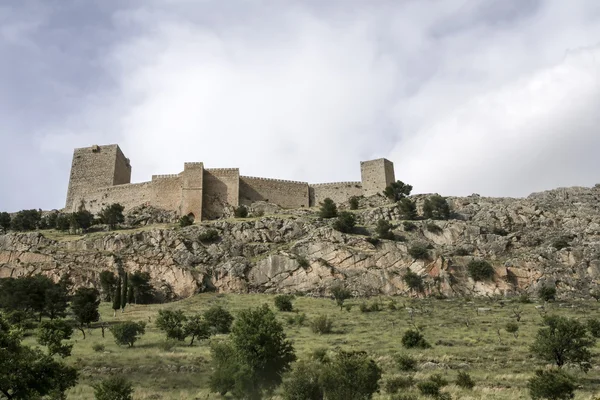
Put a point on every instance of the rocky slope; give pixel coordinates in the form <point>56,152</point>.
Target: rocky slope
<point>549,238</point>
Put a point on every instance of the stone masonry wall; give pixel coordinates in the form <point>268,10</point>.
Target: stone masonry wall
<point>287,194</point>
<point>376,175</point>
<point>339,192</point>
<point>129,196</point>
<point>220,187</point>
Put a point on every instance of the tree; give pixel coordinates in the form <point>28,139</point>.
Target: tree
<point>52,333</point>
<point>117,297</point>
<point>197,328</point>
<point>418,252</point>
<point>552,385</point>
<point>128,332</point>
<point>480,270</point>
<point>26,220</point>
<point>81,219</point>
<point>547,293</point>
<point>143,292</point>
<point>31,374</point>
<point>63,222</point>
<point>303,382</point>
<point>114,388</point>
<point>112,215</point>
<point>240,212</point>
<point>563,340</point>
<point>413,338</point>
<point>413,281</point>
<point>340,294</point>
<point>218,318</point>
<point>283,302</point>
<point>351,375</point>
<point>328,209</point>
<point>397,190</point>
<point>436,207</point>
<point>260,353</point>
<point>124,292</point>
<point>172,323</point>
<point>384,230</point>
<point>345,222</point>
<point>56,298</point>
<point>4,220</point>
<point>408,209</point>
<point>108,283</point>
<point>84,306</point>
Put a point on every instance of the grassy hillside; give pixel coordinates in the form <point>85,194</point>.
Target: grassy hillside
<point>462,339</point>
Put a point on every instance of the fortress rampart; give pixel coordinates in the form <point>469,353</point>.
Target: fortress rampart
<point>100,175</point>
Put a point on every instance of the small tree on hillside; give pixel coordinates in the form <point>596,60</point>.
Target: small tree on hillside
<point>340,294</point>
<point>218,318</point>
<point>197,327</point>
<point>436,207</point>
<point>552,385</point>
<point>52,333</point>
<point>384,230</point>
<point>117,297</point>
<point>113,388</point>
<point>413,281</point>
<point>345,222</point>
<point>84,305</point>
<point>127,333</point>
<point>26,220</point>
<point>547,293</point>
<point>563,340</point>
<point>82,219</point>
<point>108,282</point>
<point>351,375</point>
<point>112,215</point>
<point>397,190</point>
<point>124,292</point>
<point>172,323</point>
<point>241,212</point>
<point>353,202</point>
<point>480,270</point>
<point>4,220</point>
<point>328,209</point>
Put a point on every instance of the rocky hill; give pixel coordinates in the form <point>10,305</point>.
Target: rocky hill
<point>550,238</point>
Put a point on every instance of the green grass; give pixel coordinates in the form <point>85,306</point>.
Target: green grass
<point>500,365</point>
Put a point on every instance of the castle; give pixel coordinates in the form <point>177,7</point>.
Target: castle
<point>101,175</point>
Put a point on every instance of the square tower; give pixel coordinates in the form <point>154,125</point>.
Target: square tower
<point>93,168</point>
<point>376,175</point>
<point>191,190</point>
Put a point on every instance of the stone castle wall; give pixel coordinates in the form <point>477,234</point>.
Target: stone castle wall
<point>221,187</point>
<point>287,194</point>
<point>376,175</point>
<point>339,192</point>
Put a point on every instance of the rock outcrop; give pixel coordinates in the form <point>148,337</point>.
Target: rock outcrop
<point>550,238</point>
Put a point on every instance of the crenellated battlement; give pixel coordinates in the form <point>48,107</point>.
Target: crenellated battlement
<point>335,184</point>
<point>165,176</point>
<point>273,180</point>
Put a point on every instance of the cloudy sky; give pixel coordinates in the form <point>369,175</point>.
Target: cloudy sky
<point>497,97</point>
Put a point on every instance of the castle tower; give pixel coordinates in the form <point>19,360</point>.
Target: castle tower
<point>96,167</point>
<point>376,175</point>
<point>191,195</point>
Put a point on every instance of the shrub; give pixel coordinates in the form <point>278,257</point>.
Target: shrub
<point>439,379</point>
<point>373,307</point>
<point>302,262</point>
<point>172,323</point>
<point>547,293</point>
<point>397,190</point>
<point>409,226</point>
<point>353,203</point>
<point>512,327</point>
<point>436,207</point>
<point>418,251</point>
<point>186,220</point>
<point>218,318</point>
<point>480,270</point>
<point>209,236</point>
<point>321,324</point>
<point>551,384</point>
<point>4,220</point>
<point>345,222</point>
<point>328,209</point>
<point>112,215</point>
<point>384,230</point>
<point>98,347</point>
<point>351,375</point>
<point>240,212</point>
<point>413,338</point>
<point>372,240</point>
<point>114,388</point>
<point>408,209</point>
<point>413,281</point>
<point>320,355</point>
<point>406,362</point>
<point>593,326</point>
<point>283,302</point>
<point>433,228</point>
<point>461,251</point>
<point>302,383</point>
<point>297,319</point>
<point>429,388</point>
<point>393,385</point>
<point>524,298</point>
<point>340,294</point>
<point>464,380</point>
<point>127,333</point>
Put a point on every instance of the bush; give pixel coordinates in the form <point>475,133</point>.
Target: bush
<point>547,293</point>
<point>321,324</point>
<point>328,209</point>
<point>372,240</point>
<point>406,362</point>
<point>209,236</point>
<point>439,379</point>
<point>461,251</point>
<point>297,319</point>
<point>345,222</point>
<point>512,327</point>
<point>384,230</point>
<point>240,212</point>
<point>418,251</point>
<point>436,207</point>
<point>593,326</point>
<point>413,281</point>
<point>186,220</point>
<point>353,203</point>
<point>351,375</point>
<point>26,220</point>
<point>408,209</point>
<point>464,380</point>
<point>393,385</point>
<point>127,333</point>
<point>219,318</point>
<point>433,228</point>
<point>340,294</point>
<point>302,383</point>
<point>98,347</point>
<point>551,384</point>
<point>429,388</point>
<point>302,262</point>
<point>409,226</point>
<point>373,307</point>
<point>113,388</point>
<point>480,270</point>
<point>397,190</point>
<point>283,302</point>
<point>172,323</point>
<point>412,338</point>
<point>112,215</point>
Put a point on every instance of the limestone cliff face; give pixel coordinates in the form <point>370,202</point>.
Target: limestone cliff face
<point>298,252</point>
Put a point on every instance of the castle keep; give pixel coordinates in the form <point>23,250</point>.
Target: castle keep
<point>101,175</point>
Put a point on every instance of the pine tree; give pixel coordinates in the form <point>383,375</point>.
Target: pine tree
<point>130,295</point>
<point>117,298</point>
<point>124,293</point>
